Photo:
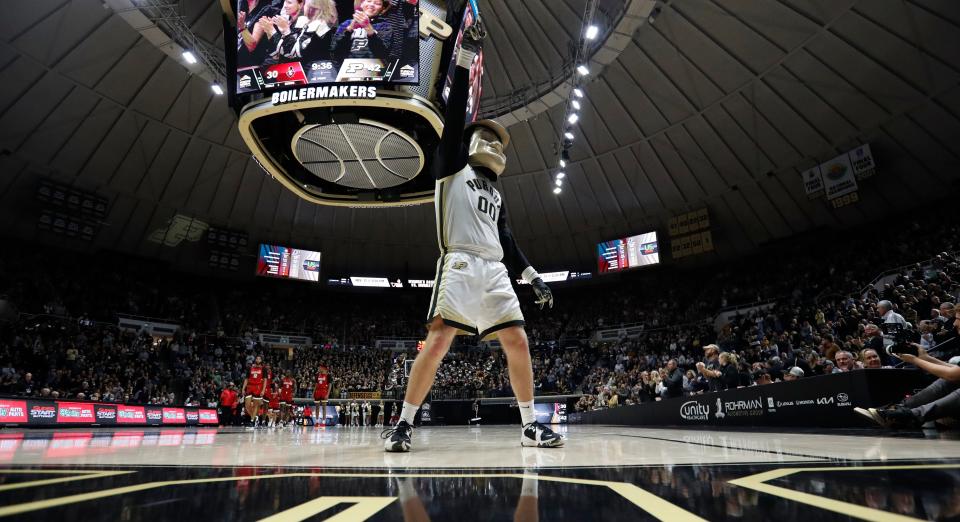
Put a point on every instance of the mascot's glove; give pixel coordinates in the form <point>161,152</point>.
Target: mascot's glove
<point>544,295</point>
<point>471,44</point>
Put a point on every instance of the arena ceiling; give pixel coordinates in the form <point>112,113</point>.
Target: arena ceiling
<point>716,103</point>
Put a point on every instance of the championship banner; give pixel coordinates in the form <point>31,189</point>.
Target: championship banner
<point>813,182</point>
<point>838,178</point>
<point>862,159</point>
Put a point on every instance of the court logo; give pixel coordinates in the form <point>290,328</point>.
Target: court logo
<point>693,410</point>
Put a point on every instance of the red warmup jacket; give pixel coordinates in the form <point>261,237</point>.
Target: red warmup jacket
<point>228,398</point>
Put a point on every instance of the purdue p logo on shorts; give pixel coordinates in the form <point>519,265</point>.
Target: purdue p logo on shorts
<point>459,265</point>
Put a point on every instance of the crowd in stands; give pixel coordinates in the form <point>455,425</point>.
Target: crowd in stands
<point>820,318</point>
<point>824,320</point>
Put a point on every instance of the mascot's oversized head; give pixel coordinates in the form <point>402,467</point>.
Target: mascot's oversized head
<point>486,141</point>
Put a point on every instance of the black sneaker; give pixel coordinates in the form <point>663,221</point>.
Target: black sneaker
<point>540,436</point>
<point>898,417</point>
<point>398,437</point>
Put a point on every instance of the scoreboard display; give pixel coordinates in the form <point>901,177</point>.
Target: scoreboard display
<point>288,263</point>
<point>295,44</point>
<point>629,252</point>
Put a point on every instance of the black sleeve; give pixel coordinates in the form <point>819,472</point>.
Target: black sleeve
<point>513,257</point>
<point>451,154</point>
<point>381,42</point>
<point>340,43</point>
<point>675,380</point>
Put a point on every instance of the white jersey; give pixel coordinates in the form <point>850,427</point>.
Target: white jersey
<point>467,207</point>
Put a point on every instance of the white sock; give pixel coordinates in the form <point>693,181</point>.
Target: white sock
<point>408,412</point>
<point>529,487</point>
<point>526,413</point>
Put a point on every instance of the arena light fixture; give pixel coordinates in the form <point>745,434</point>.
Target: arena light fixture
<point>592,32</point>
<point>189,57</point>
<point>217,89</point>
<point>561,174</point>
<point>576,104</point>
<point>568,135</point>
<point>557,190</point>
<point>578,92</point>
<point>563,163</point>
<point>573,118</point>
<point>559,182</point>
<point>582,69</point>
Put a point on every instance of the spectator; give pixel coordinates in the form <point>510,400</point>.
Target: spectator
<point>729,374</point>
<point>936,401</point>
<point>871,359</point>
<point>845,361</point>
<point>672,380</point>
<point>885,309</point>
<point>228,404</point>
<point>874,337</point>
<point>793,374</point>
<point>710,368</point>
<point>26,387</point>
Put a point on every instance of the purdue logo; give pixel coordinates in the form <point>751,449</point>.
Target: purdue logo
<point>460,265</point>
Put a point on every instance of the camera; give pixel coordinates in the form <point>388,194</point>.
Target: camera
<point>902,339</point>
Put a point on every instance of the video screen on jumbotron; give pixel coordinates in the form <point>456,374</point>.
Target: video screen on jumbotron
<point>288,263</point>
<point>287,43</point>
<point>629,252</point>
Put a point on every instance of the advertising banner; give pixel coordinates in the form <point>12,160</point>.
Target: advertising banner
<point>824,401</point>
<point>39,412</point>
<point>13,411</point>
<point>106,414</point>
<point>174,416</point>
<point>75,413</point>
<point>154,415</point>
<point>131,415</point>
